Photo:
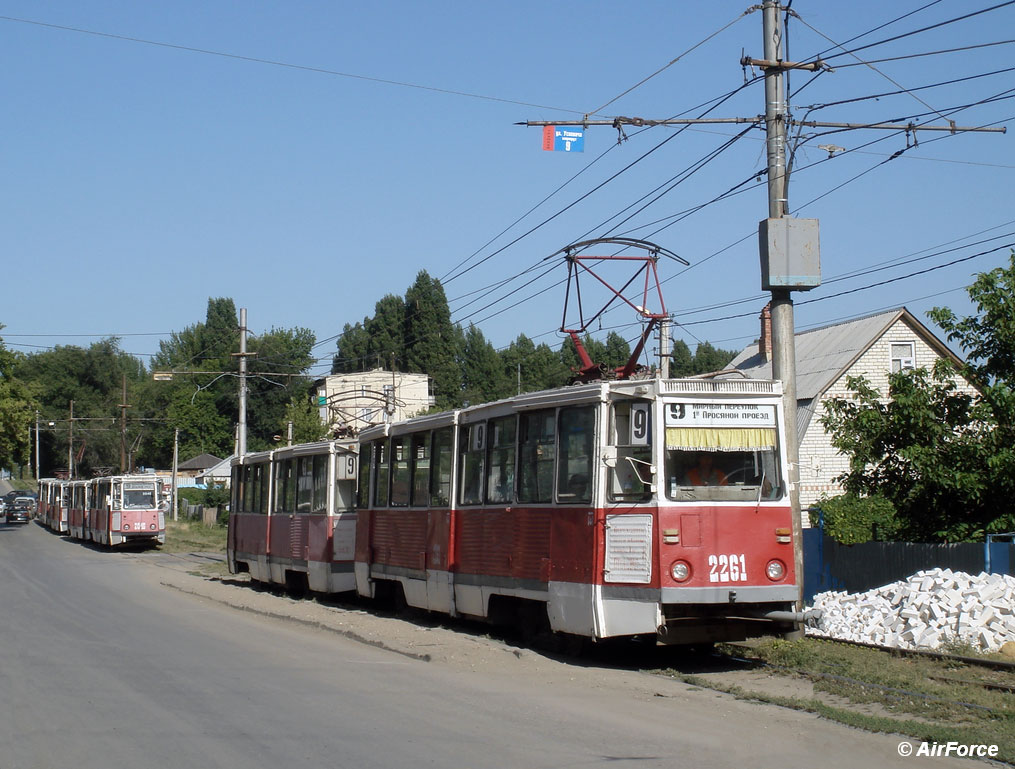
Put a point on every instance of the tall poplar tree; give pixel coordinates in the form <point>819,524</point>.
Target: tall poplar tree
<point>432,341</point>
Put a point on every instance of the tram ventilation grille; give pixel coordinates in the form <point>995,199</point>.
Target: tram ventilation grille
<point>744,386</point>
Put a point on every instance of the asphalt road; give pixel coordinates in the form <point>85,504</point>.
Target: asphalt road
<point>102,666</point>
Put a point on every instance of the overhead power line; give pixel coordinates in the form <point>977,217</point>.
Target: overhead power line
<point>284,64</point>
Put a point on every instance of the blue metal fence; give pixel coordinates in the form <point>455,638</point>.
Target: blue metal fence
<point>829,565</point>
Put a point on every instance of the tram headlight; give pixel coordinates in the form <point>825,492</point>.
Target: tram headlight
<point>775,570</point>
<point>153,527</point>
<point>680,571</point>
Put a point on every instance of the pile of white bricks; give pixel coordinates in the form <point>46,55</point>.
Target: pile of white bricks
<point>928,609</point>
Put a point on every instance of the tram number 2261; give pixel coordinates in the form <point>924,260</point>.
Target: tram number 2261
<point>727,568</point>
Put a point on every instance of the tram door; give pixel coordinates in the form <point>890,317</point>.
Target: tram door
<point>344,507</point>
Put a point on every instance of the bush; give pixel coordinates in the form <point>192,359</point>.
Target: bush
<point>850,519</point>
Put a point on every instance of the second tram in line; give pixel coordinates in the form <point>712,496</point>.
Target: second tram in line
<point>626,508</point>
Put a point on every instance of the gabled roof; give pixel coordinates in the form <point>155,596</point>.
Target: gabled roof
<point>221,469</point>
<point>824,354</point>
<point>200,462</point>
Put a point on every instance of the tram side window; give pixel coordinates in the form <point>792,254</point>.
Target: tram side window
<point>304,484</point>
<point>320,502</point>
<point>630,478</point>
<point>363,484</point>
<point>440,468</point>
<point>238,485</point>
<point>574,463</point>
<point>262,484</point>
<point>536,452</point>
<point>400,476</point>
<point>381,484</point>
<point>420,470</point>
<point>472,452</point>
<point>285,486</point>
<point>500,477</point>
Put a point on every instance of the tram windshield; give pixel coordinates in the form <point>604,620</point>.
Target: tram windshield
<point>138,496</point>
<point>721,452</point>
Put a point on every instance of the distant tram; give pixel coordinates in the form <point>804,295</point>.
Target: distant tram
<point>53,504</point>
<point>627,508</point>
<point>111,510</point>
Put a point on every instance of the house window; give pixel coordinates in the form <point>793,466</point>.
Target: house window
<point>903,356</point>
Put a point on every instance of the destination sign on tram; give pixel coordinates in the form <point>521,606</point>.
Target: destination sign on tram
<point>719,415</point>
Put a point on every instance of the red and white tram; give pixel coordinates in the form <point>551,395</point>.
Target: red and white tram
<point>79,494</point>
<point>293,520</point>
<point>54,501</point>
<point>127,510</point>
<point>626,508</point>
<point>117,510</point>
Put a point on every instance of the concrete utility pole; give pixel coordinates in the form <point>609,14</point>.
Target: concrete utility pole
<point>36,444</point>
<point>123,428</point>
<point>176,464</point>
<point>70,444</point>
<point>241,431</point>
<point>783,331</point>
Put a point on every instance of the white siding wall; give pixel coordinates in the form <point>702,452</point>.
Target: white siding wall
<point>820,462</point>
<point>357,400</point>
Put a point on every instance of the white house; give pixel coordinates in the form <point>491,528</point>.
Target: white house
<point>872,346</point>
<point>351,402</point>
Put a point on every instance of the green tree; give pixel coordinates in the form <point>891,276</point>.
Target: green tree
<point>432,341</point>
<point>945,459</point>
<point>708,358</point>
<point>851,520</point>
<point>483,376</point>
<point>303,413</point>
<point>17,410</point>
<point>93,379</point>
<point>929,449</point>
<point>529,367</point>
<point>681,360</point>
<point>386,333</point>
<point>353,349</point>
<point>276,375</point>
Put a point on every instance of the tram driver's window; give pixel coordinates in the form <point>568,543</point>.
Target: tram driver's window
<point>722,464</point>
<point>631,479</point>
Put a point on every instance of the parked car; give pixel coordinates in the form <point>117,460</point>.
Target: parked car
<point>21,510</point>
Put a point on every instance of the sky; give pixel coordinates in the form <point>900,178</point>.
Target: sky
<point>307,157</point>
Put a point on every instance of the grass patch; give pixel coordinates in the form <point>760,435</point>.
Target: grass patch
<point>194,536</point>
<point>927,699</point>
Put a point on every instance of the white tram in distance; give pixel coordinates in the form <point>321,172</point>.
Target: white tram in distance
<point>627,508</point>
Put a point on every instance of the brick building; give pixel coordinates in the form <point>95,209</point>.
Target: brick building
<point>872,346</point>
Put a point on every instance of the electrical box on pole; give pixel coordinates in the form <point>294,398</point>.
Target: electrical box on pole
<point>790,254</point>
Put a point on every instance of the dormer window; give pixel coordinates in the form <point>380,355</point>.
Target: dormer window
<point>903,356</point>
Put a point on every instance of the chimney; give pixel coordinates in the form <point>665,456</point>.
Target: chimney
<point>765,341</point>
